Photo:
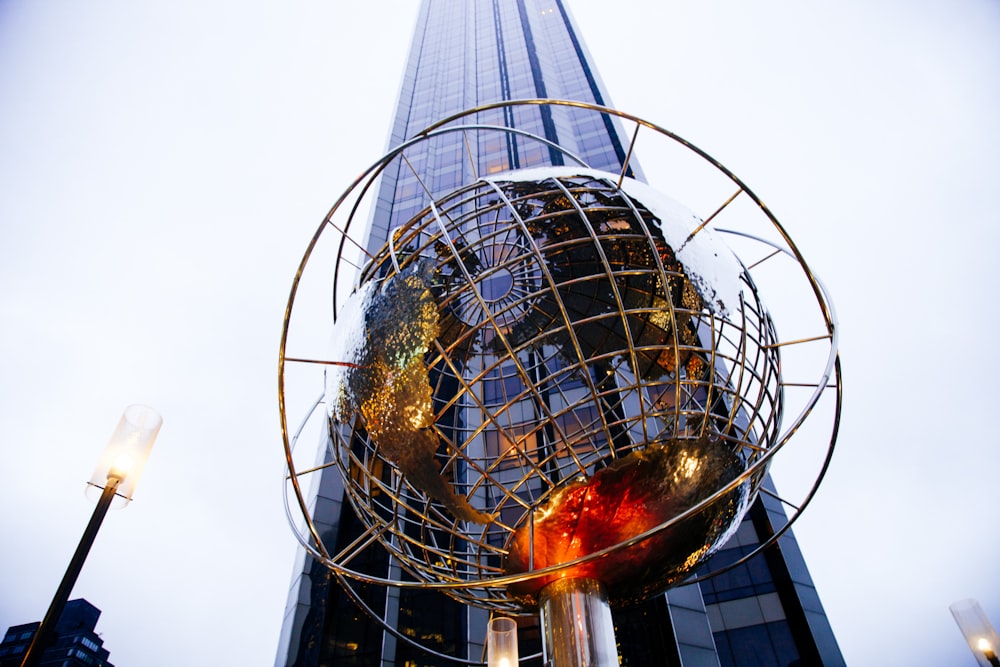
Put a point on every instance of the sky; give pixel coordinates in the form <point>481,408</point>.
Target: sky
<point>163,166</point>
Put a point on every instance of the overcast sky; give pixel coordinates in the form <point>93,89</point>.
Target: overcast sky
<point>163,166</point>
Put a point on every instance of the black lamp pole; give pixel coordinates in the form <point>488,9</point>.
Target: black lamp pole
<point>41,639</point>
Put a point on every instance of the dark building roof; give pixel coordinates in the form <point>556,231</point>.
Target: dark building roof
<point>75,641</point>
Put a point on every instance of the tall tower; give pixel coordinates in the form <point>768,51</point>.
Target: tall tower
<point>466,54</point>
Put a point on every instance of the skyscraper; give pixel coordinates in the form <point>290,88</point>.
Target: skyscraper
<point>465,54</point>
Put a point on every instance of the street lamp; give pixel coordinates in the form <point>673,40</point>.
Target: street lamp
<point>978,631</point>
<point>501,642</point>
<point>116,475</point>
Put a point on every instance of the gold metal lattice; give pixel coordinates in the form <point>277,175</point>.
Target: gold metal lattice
<point>534,346</point>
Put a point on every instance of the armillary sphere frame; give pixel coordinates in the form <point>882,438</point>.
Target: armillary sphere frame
<point>809,383</point>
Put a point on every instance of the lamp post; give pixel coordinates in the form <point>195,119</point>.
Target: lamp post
<point>501,642</point>
<point>978,631</point>
<point>116,475</point>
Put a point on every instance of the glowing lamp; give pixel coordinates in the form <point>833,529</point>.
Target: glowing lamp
<point>501,642</point>
<point>978,631</point>
<point>116,475</point>
<point>125,455</point>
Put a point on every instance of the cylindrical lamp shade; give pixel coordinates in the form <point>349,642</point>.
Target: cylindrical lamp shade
<point>501,643</point>
<point>978,631</point>
<point>127,451</point>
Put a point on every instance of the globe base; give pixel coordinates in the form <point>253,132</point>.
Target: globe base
<point>577,623</point>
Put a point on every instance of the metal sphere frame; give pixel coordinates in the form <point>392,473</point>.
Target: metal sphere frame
<point>752,225</point>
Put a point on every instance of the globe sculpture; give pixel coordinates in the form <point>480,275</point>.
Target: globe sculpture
<point>550,383</point>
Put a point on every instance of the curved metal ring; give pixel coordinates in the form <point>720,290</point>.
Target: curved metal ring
<point>829,378</point>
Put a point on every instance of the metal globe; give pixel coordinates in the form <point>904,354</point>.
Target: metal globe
<point>552,373</point>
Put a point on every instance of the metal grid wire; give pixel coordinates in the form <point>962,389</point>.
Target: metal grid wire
<point>570,337</point>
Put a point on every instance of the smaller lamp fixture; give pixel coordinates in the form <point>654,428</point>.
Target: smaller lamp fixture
<point>978,631</point>
<point>501,642</point>
<point>116,475</point>
<point>125,456</point>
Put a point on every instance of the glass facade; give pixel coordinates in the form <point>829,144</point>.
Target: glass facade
<point>466,54</point>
